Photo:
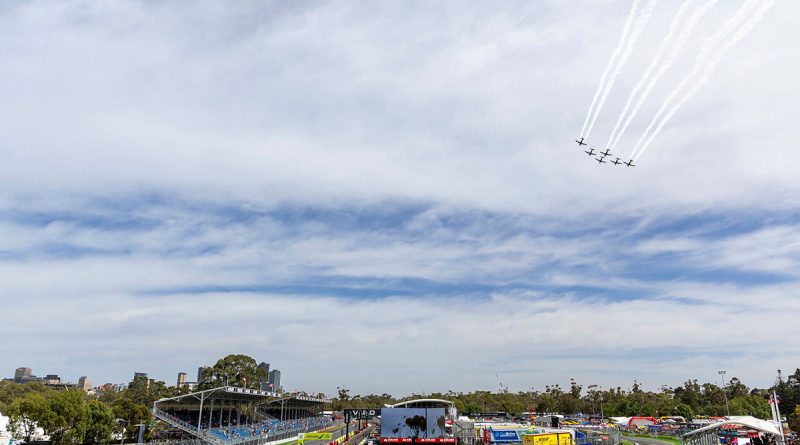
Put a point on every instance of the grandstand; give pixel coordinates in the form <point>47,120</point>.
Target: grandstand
<point>239,416</point>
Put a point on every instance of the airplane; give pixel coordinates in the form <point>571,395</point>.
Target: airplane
<point>616,161</point>
<point>590,152</point>
<point>580,142</point>
<point>600,160</point>
<point>630,163</point>
<point>605,153</point>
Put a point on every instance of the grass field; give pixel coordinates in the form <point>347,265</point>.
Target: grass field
<point>669,439</point>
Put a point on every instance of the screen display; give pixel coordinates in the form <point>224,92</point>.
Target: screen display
<point>424,423</point>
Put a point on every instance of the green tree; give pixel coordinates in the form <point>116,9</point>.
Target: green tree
<point>750,406</point>
<point>9,391</point>
<point>234,370</point>
<point>129,413</point>
<point>26,413</point>
<point>794,419</point>
<point>101,423</point>
<point>145,391</point>
<point>69,420</point>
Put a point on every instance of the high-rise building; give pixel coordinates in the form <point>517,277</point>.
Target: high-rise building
<point>140,377</point>
<point>84,383</point>
<point>21,373</point>
<point>181,380</point>
<point>24,375</point>
<point>263,382</point>
<point>200,371</point>
<point>275,380</point>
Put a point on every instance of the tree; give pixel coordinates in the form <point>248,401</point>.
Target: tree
<point>750,406</point>
<point>794,419</point>
<point>235,370</point>
<point>69,420</point>
<point>101,423</point>
<point>128,413</point>
<point>26,413</point>
<point>10,391</point>
<point>145,391</point>
<point>737,389</point>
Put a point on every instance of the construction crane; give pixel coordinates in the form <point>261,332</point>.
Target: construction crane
<point>503,389</point>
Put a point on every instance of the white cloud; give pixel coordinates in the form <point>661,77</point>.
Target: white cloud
<point>133,133</point>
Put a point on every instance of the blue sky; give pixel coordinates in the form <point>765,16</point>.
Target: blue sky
<point>388,197</point>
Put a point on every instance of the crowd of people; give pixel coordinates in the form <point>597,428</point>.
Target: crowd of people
<point>268,428</point>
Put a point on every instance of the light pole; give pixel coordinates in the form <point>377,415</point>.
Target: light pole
<point>724,391</point>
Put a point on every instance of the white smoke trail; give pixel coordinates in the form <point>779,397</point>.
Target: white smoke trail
<point>644,17</point>
<point>712,64</point>
<point>705,51</point>
<point>683,29</point>
<point>622,40</point>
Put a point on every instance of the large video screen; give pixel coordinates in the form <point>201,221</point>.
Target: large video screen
<point>427,423</point>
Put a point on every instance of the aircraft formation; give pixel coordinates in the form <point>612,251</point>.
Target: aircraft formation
<point>690,18</point>
<point>603,154</point>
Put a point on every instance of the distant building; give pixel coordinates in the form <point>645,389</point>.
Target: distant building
<point>141,377</point>
<point>263,383</point>
<point>24,375</point>
<point>51,379</point>
<point>275,380</point>
<point>181,379</point>
<point>110,387</point>
<point>200,371</point>
<point>84,383</point>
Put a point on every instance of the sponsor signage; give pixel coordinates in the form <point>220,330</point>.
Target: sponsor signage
<point>361,413</point>
<point>408,440</point>
<point>506,436</point>
<point>317,436</point>
<point>547,439</point>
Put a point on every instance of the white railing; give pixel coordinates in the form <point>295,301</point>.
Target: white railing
<point>203,435</point>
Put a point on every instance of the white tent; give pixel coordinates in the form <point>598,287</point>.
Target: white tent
<point>748,421</point>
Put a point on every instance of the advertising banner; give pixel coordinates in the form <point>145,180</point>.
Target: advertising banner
<point>317,436</point>
<point>547,439</point>
<point>505,436</point>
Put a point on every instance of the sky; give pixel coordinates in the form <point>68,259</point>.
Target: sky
<point>386,196</point>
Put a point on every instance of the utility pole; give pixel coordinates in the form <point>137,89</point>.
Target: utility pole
<point>724,391</point>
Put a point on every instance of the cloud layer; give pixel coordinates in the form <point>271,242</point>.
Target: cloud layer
<point>385,197</point>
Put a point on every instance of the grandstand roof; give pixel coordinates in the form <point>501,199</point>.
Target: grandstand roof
<point>235,393</point>
<point>424,403</point>
<point>746,421</point>
<point>296,401</point>
<point>224,392</point>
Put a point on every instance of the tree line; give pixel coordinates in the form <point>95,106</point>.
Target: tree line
<point>688,400</point>
<point>73,417</point>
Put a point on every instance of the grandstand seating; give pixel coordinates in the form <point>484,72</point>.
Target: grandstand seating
<point>267,428</point>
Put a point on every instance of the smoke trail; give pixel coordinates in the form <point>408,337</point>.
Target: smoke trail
<point>644,17</point>
<point>708,47</point>
<point>622,40</point>
<point>683,29</point>
<point>712,64</point>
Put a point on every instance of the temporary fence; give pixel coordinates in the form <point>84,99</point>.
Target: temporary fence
<point>597,437</point>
